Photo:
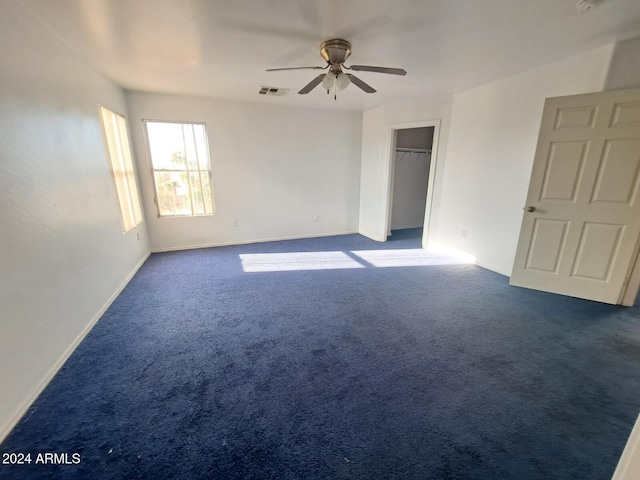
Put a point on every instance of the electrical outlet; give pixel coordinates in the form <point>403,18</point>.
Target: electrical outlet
<point>234,223</point>
<point>464,234</point>
<point>316,218</point>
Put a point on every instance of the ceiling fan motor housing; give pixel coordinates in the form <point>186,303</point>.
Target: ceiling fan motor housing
<point>335,51</point>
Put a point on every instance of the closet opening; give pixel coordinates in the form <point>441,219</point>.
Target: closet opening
<point>412,169</point>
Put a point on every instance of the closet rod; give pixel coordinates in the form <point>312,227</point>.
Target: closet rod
<point>413,150</point>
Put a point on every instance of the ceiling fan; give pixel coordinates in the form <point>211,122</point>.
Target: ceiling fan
<point>335,52</point>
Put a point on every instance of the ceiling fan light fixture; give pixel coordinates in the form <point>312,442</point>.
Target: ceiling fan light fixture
<point>342,81</point>
<point>335,52</point>
<point>328,80</point>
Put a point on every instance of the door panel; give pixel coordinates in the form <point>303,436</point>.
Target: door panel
<point>626,114</point>
<point>618,175</point>
<point>547,243</point>
<point>564,169</point>
<point>597,250</point>
<point>581,236</point>
<point>571,117</point>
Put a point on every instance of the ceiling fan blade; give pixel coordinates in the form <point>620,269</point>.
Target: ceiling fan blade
<point>295,68</point>
<point>359,83</point>
<point>369,68</point>
<point>312,84</point>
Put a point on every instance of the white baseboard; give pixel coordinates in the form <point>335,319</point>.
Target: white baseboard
<point>24,407</point>
<point>247,242</point>
<point>500,272</point>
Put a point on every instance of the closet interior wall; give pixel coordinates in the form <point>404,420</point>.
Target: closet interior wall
<point>411,177</point>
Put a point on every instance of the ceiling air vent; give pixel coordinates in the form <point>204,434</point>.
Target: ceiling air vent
<point>278,92</point>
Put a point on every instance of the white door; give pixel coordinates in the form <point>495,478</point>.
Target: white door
<point>581,223</point>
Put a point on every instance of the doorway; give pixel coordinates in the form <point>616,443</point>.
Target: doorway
<point>411,172</point>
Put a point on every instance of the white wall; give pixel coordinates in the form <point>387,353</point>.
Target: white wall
<point>373,176</point>
<point>415,138</point>
<point>624,69</point>
<point>274,168</point>
<point>492,140</point>
<point>629,464</point>
<point>376,158</point>
<point>62,251</point>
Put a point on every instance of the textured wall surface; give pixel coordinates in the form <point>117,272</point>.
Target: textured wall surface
<point>62,251</point>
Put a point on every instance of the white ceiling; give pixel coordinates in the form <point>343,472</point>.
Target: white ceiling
<point>221,48</point>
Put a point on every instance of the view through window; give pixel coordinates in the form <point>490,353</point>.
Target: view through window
<point>181,168</point>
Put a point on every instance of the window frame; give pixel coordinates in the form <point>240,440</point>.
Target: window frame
<point>153,170</point>
<point>120,160</point>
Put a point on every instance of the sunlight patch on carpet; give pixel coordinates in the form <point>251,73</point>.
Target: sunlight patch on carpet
<point>335,260</point>
<point>415,257</point>
<point>295,261</point>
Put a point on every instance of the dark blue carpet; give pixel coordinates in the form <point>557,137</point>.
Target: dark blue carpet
<point>200,370</point>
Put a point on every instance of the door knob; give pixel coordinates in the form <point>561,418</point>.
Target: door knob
<point>531,209</point>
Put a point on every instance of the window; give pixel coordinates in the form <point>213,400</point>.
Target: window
<point>115,132</point>
<point>179,155</point>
